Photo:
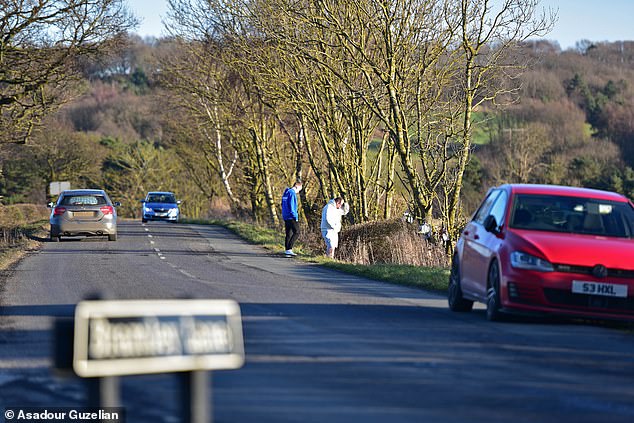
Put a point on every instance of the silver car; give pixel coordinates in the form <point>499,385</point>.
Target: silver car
<point>83,212</point>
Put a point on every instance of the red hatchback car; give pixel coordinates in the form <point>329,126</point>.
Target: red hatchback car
<point>548,250</point>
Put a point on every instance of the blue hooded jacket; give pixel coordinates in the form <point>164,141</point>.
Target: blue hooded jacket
<point>289,205</point>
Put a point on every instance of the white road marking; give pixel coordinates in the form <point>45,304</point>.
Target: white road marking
<point>189,275</point>
<point>28,363</point>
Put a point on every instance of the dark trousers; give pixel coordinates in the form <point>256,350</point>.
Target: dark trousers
<point>292,232</point>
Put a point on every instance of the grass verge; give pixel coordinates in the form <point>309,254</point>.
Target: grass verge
<point>432,279</point>
<point>32,236</point>
<point>429,278</point>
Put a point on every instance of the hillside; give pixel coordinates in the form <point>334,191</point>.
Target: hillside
<point>571,123</point>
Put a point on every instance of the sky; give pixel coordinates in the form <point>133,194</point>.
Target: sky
<point>594,20</point>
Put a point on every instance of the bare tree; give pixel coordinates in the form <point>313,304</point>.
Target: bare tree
<point>489,34</point>
<point>235,124</point>
<point>345,73</point>
<point>42,44</point>
<point>318,74</point>
<point>199,86</point>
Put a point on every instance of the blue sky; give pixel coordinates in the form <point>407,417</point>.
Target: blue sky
<point>594,20</point>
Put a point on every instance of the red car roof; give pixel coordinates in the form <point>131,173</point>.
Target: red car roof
<point>565,191</point>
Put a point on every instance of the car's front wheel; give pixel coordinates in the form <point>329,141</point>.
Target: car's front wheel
<point>456,300</point>
<point>494,314</point>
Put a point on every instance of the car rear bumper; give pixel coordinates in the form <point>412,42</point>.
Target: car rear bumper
<point>154,217</point>
<point>551,293</point>
<point>68,228</point>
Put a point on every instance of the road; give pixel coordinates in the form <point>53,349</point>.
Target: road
<point>321,346</point>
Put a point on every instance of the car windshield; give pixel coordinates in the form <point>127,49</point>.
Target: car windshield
<point>161,198</point>
<point>83,200</point>
<point>572,215</point>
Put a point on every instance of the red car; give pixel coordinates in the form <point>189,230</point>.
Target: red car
<point>548,250</point>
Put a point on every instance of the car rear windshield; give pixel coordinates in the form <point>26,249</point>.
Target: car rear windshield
<point>83,200</point>
<point>576,215</point>
<point>161,198</point>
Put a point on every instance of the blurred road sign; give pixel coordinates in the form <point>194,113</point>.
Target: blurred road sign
<point>126,337</point>
<point>56,188</point>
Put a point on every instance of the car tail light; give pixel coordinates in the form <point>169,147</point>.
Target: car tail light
<point>59,211</point>
<point>107,209</point>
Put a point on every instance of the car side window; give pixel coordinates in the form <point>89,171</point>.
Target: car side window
<point>499,208</point>
<point>483,211</point>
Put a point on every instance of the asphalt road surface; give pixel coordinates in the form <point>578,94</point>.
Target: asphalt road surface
<point>321,346</point>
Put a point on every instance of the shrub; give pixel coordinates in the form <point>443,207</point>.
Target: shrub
<point>21,214</point>
<point>389,242</point>
<point>14,219</point>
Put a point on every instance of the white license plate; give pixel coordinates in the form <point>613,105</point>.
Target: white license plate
<point>161,214</point>
<point>84,214</point>
<point>599,288</point>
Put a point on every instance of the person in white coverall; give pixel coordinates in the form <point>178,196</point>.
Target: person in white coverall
<point>331,223</point>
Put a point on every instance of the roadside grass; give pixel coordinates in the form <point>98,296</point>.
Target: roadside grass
<point>26,238</point>
<point>23,227</point>
<point>429,278</point>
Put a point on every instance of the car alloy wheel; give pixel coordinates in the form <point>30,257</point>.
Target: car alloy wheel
<point>493,293</point>
<point>454,295</point>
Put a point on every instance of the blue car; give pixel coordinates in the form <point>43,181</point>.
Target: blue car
<point>159,205</point>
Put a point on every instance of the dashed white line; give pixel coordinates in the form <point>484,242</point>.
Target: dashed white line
<point>189,275</point>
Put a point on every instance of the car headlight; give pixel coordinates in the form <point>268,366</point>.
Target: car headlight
<point>173,211</point>
<point>522,260</point>
<point>147,209</point>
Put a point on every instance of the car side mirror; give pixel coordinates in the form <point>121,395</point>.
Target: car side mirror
<point>178,202</point>
<point>490,225</point>
<point>141,201</point>
<point>117,204</point>
<point>50,205</point>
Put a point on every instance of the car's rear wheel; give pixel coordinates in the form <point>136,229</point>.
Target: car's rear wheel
<point>494,314</point>
<point>454,293</point>
<point>112,237</point>
<point>143,220</point>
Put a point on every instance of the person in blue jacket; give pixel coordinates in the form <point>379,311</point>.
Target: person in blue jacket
<point>291,217</point>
